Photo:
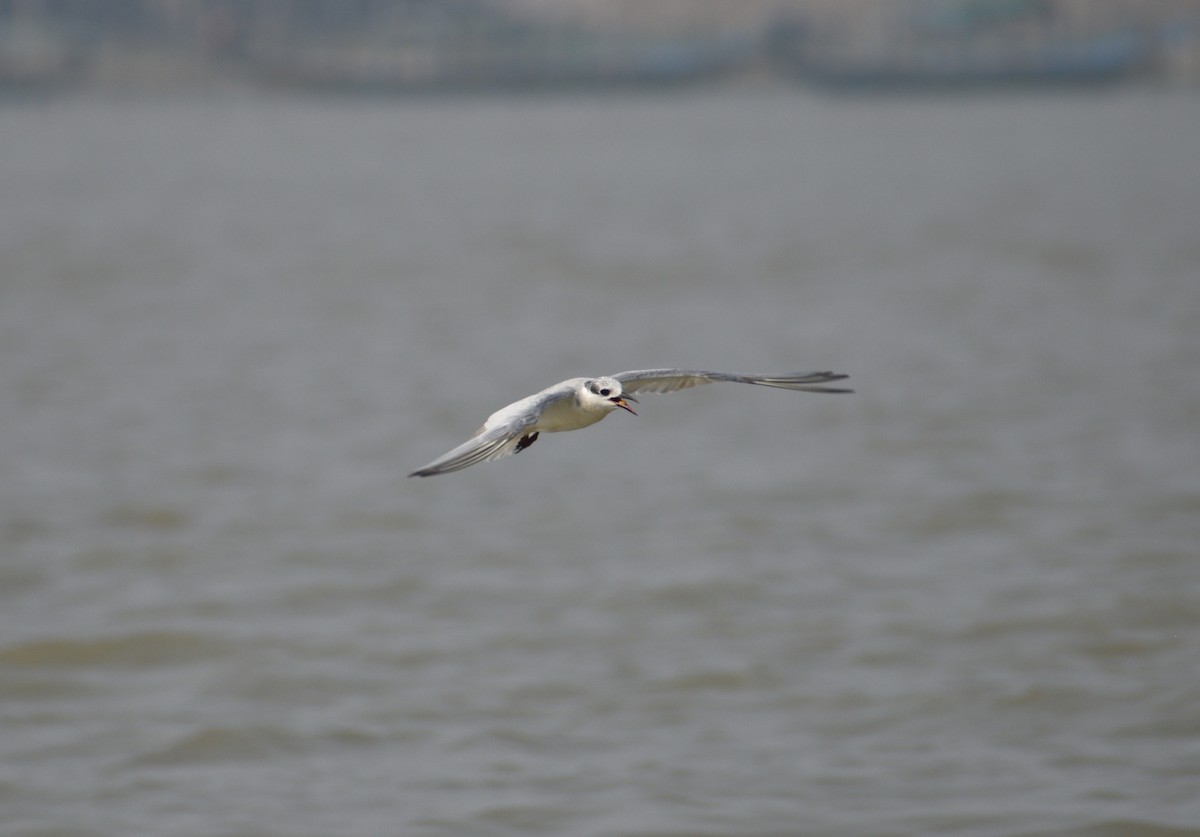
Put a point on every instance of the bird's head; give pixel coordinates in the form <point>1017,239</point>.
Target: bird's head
<point>605,393</point>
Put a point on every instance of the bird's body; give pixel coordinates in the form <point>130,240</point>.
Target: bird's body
<point>581,402</point>
<point>557,409</point>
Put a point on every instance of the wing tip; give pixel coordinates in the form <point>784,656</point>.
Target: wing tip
<point>807,382</point>
<point>829,377</point>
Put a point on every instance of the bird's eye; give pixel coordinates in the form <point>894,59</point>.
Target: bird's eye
<point>605,391</point>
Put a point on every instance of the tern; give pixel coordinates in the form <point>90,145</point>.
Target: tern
<point>581,402</point>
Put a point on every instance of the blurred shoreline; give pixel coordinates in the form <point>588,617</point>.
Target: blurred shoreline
<point>406,46</point>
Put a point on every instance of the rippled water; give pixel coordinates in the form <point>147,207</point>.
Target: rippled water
<point>964,600</point>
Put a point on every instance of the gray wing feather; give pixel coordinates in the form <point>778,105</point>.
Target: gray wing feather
<point>487,446</point>
<point>499,441</point>
<point>477,449</point>
<point>670,380</point>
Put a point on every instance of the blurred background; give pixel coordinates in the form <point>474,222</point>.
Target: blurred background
<point>261,259</point>
<point>438,46</point>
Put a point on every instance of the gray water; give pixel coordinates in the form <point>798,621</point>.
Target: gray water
<point>965,600</point>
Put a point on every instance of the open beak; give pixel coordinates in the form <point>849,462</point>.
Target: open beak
<point>622,402</point>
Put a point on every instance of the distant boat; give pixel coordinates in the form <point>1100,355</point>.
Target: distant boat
<point>971,64</point>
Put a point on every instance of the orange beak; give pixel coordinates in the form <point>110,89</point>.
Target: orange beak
<point>623,404</point>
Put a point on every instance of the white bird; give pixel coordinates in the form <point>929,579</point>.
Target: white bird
<point>580,402</point>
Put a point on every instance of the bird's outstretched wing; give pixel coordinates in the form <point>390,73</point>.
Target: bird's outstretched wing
<point>489,445</point>
<point>670,380</point>
<point>500,435</point>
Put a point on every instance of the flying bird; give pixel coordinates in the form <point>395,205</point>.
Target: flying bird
<point>581,402</point>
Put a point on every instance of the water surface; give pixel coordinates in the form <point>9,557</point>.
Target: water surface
<point>962,601</point>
